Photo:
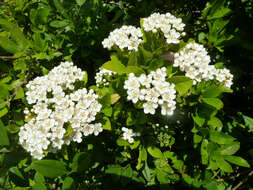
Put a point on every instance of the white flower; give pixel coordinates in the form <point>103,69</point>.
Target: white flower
<point>126,37</point>
<point>88,129</point>
<point>128,134</point>
<point>97,128</point>
<point>149,107</point>
<point>168,24</point>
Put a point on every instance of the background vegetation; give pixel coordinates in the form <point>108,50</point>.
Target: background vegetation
<point>36,35</point>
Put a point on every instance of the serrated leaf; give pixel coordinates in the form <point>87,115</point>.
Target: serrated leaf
<point>237,161</point>
<point>214,102</point>
<point>155,152</point>
<point>182,84</point>
<point>115,65</point>
<point>49,168</point>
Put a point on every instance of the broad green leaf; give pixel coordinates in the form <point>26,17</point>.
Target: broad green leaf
<point>142,157</point>
<point>237,161</point>
<point>6,25</point>
<point>198,120</point>
<point>59,23</point>
<point>213,92</point>
<point>229,149</point>
<point>3,111</point>
<point>223,165</point>
<point>214,102</point>
<point>68,183</point>
<point>4,140</point>
<point>211,186</point>
<point>147,55</point>
<point>107,124</point>
<point>248,122</point>
<point>20,94</point>
<point>134,69</point>
<point>115,65</point>
<point>9,45</point>
<point>81,162</point>
<point>182,84</point>
<point>17,172</point>
<point>155,152</point>
<point>114,98</point>
<point>221,12</point>
<point>80,2</point>
<point>4,92</point>
<point>114,169</point>
<point>215,122</point>
<point>122,142</point>
<point>39,182</point>
<point>162,177</point>
<point>49,168</point>
<point>221,138</point>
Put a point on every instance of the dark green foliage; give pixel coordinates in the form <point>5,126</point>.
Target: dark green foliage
<point>207,146</point>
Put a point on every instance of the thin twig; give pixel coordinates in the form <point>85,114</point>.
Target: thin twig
<point>241,182</point>
<point>7,57</point>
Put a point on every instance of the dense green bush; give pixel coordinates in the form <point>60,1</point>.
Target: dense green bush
<point>206,144</point>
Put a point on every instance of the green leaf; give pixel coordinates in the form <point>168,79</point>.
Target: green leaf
<point>248,122</point>
<point>114,98</point>
<point>214,102</point>
<point>198,120</point>
<point>49,168</point>
<point>81,162</point>
<point>122,142</point>
<point>229,149</point>
<point>8,45</point>
<point>20,94</point>
<point>221,12</point>
<point>68,183</point>
<point>59,23</point>
<point>211,186</point>
<point>114,169</point>
<point>162,177</point>
<point>204,153</point>
<point>115,65</point>
<point>132,59</point>
<point>107,124</point>
<point>4,140</point>
<point>155,152</point>
<point>223,165</point>
<point>3,111</point>
<point>237,161</point>
<point>80,2</point>
<point>213,92</point>
<point>221,138</point>
<point>215,122</point>
<point>182,84</point>
<point>134,69</point>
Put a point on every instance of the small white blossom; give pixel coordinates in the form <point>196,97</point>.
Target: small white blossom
<point>128,134</point>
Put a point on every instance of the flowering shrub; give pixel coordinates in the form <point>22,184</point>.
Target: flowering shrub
<point>159,114</point>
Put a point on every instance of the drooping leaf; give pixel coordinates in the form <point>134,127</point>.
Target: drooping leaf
<point>229,149</point>
<point>249,122</point>
<point>221,138</point>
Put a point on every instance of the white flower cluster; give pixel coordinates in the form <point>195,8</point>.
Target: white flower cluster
<point>128,134</point>
<point>101,77</point>
<point>171,26</point>
<point>194,60</point>
<point>60,115</point>
<point>128,37</point>
<point>153,90</point>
